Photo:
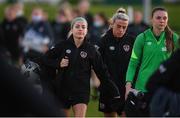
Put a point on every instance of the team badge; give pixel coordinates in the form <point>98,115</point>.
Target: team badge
<point>111,48</point>
<point>96,46</point>
<point>149,43</point>
<point>68,51</point>
<point>126,48</point>
<point>162,69</point>
<point>83,54</point>
<point>102,106</point>
<point>163,49</point>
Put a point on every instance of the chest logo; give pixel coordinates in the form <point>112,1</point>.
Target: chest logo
<point>149,43</point>
<point>126,48</point>
<point>83,54</point>
<point>111,48</point>
<point>68,51</point>
<point>162,68</point>
<point>163,49</point>
<point>96,46</point>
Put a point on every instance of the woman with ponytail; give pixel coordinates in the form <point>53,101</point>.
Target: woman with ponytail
<point>74,58</point>
<point>151,47</point>
<point>115,47</point>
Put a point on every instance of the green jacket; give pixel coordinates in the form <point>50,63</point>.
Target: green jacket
<point>148,53</point>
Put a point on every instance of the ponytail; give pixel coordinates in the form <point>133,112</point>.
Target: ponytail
<point>169,39</point>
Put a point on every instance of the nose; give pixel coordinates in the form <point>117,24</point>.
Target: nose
<point>162,20</point>
<point>80,28</point>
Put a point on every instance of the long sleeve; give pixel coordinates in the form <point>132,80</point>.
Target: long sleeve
<point>99,67</point>
<point>136,56</point>
<point>53,57</point>
<point>107,85</point>
<point>101,46</point>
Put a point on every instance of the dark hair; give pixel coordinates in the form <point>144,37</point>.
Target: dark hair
<point>168,31</point>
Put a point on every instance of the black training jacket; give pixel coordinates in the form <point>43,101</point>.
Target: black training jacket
<point>116,54</point>
<point>75,79</point>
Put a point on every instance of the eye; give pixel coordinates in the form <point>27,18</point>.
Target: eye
<point>83,27</point>
<point>164,18</point>
<point>118,26</point>
<point>124,27</point>
<point>158,17</point>
<point>77,26</point>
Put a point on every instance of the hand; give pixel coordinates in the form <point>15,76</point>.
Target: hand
<point>128,89</point>
<point>64,62</point>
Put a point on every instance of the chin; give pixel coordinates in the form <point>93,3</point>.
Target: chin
<point>120,35</point>
<point>80,37</point>
<point>161,28</point>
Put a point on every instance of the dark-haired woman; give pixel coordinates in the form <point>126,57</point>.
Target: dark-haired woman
<point>151,47</point>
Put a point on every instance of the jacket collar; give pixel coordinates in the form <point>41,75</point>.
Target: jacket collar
<point>71,40</point>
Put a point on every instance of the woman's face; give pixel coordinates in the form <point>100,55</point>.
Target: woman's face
<point>119,28</point>
<point>159,20</point>
<point>79,30</point>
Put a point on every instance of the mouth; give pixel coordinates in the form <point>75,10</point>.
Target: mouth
<point>80,33</point>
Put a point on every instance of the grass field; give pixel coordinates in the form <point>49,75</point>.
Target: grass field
<point>92,110</point>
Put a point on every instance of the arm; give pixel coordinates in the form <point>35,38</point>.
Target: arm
<point>107,85</point>
<point>53,57</point>
<point>134,61</point>
<point>101,46</point>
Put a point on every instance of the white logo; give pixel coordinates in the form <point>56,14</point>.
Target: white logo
<point>102,105</point>
<point>96,46</point>
<point>68,51</point>
<point>149,43</point>
<point>162,69</point>
<point>126,48</point>
<point>164,49</point>
<point>111,48</point>
<point>83,54</point>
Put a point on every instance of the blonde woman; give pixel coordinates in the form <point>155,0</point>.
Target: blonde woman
<point>74,59</point>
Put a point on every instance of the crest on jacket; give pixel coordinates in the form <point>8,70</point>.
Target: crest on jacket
<point>126,48</point>
<point>83,54</point>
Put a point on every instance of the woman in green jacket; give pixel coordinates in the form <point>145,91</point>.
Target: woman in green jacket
<point>151,47</point>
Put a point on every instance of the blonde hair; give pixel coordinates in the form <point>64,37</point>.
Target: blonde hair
<point>77,19</point>
<point>120,14</point>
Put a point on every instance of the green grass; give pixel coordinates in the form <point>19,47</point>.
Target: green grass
<point>92,110</point>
